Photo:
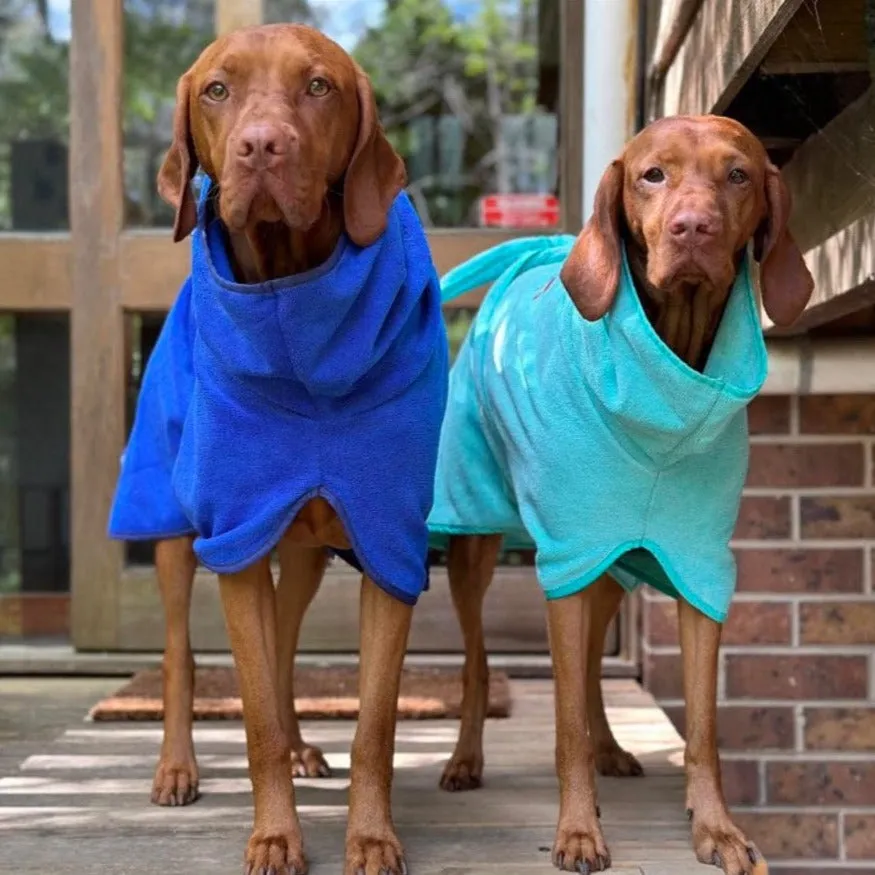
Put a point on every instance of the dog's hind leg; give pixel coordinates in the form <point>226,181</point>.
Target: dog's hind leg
<point>176,777</point>
<point>301,571</point>
<point>471,564</point>
<point>610,759</point>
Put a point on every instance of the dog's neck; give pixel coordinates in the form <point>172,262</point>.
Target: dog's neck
<point>271,250</point>
<point>686,319</point>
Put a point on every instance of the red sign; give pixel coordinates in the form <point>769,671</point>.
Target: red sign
<point>519,211</point>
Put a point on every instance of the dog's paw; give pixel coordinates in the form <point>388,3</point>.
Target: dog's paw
<point>309,762</point>
<point>374,855</point>
<point>463,773</point>
<point>176,780</point>
<point>581,849</point>
<point>722,844</point>
<point>614,762</point>
<point>275,852</point>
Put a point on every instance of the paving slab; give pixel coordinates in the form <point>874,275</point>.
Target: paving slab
<point>74,795</point>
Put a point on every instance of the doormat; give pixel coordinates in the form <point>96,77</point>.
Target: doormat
<point>320,694</point>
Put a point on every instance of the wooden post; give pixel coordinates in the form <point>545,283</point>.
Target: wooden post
<point>231,14</point>
<point>97,338</point>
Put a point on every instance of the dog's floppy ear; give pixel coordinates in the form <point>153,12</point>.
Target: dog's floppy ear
<point>785,279</point>
<point>180,163</point>
<point>375,175</point>
<point>591,273</point>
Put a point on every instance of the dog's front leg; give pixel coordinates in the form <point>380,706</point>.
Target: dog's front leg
<point>176,776</point>
<point>716,839</point>
<point>250,616</point>
<point>580,845</point>
<point>301,572</point>
<point>372,847</point>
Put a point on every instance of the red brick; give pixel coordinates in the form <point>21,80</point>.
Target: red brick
<point>792,836</point>
<point>860,836</point>
<point>819,783</point>
<point>663,675</point>
<point>760,676</point>
<point>745,728</point>
<point>837,414</point>
<point>769,414</point>
<point>838,516</point>
<point>741,782</point>
<point>840,729</point>
<point>800,465</point>
<point>758,623</point>
<point>781,570</point>
<point>837,622</point>
<point>748,623</point>
<point>662,622</point>
<point>763,517</point>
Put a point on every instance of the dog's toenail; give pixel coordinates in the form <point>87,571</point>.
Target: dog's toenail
<point>598,811</point>
<point>403,866</point>
<point>752,855</point>
<point>715,860</point>
<point>689,814</point>
<point>582,867</point>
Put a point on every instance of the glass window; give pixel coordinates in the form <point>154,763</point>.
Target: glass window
<point>162,39</point>
<point>468,92</point>
<point>34,453</point>
<point>34,127</point>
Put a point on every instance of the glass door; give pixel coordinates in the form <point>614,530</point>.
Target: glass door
<point>481,97</point>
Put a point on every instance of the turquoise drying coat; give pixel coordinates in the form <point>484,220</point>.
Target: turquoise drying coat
<point>592,441</point>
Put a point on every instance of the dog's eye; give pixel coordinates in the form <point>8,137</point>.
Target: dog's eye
<point>216,91</point>
<point>654,175</point>
<point>318,87</point>
<point>737,176</point>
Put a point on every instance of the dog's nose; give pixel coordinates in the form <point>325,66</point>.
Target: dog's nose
<point>694,226</point>
<point>262,145</point>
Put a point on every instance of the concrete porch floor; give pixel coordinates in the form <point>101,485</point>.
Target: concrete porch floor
<point>63,779</point>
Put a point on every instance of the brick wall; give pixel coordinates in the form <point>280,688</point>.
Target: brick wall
<point>797,675</point>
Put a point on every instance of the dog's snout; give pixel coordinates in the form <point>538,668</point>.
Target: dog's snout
<point>263,145</point>
<point>694,226</point>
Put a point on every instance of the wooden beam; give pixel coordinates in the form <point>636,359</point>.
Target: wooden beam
<point>727,41</point>
<point>37,272</point>
<point>831,176</point>
<point>843,268</point>
<point>232,14</point>
<point>675,19</point>
<point>571,115</point>
<point>514,614</point>
<point>821,37</point>
<point>153,267</point>
<point>97,338</point>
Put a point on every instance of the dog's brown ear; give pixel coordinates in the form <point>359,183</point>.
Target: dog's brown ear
<point>375,176</point>
<point>591,273</point>
<point>180,163</point>
<point>786,282</point>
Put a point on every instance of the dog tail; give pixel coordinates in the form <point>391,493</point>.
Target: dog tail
<point>506,260</point>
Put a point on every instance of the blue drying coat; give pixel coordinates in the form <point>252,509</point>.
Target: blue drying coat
<point>258,398</point>
<point>592,441</point>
